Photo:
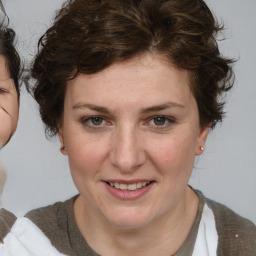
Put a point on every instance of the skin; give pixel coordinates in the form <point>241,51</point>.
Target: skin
<point>2,179</point>
<point>9,110</point>
<point>9,105</point>
<point>128,143</point>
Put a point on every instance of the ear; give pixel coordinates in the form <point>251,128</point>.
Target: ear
<point>202,136</point>
<point>62,143</point>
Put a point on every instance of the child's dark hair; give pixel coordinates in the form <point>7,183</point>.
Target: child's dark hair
<point>8,50</point>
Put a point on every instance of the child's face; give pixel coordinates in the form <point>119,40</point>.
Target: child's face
<point>9,105</point>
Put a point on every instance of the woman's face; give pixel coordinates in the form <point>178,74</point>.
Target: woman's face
<point>9,105</point>
<point>131,133</point>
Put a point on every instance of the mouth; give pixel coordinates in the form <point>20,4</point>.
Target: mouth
<point>128,190</point>
<point>129,187</point>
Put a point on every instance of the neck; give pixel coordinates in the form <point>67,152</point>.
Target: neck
<point>164,236</point>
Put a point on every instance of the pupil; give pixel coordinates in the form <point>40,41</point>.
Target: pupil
<point>97,120</point>
<point>159,120</point>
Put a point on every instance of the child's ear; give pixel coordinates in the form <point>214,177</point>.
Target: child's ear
<point>62,143</point>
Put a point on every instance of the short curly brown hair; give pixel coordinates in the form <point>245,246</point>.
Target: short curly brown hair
<point>90,35</point>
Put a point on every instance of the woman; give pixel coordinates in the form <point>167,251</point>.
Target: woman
<point>9,85</point>
<point>131,88</point>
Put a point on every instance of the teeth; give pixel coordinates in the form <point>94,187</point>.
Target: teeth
<point>132,186</point>
<point>123,186</point>
<point>139,185</point>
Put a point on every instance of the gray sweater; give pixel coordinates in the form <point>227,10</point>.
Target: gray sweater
<point>237,236</point>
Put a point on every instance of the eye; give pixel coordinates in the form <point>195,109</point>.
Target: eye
<point>159,120</point>
<point>2,90</point>
<point>94,121</point>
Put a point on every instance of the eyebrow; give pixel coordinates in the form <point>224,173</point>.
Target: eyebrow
<point>91,107</point>
<point>161,107</point>
<point>104,110</point>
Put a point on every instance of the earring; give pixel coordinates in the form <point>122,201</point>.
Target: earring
<point>202,148</point>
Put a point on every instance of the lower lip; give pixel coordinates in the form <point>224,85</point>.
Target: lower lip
<point>128,194</point>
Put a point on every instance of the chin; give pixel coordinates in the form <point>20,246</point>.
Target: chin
<point>128,218</point>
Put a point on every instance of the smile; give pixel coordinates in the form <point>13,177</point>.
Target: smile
<point>128,190</point>
<point>131,187</point>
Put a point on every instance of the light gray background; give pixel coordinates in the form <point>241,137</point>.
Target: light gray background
<point>37,174</point>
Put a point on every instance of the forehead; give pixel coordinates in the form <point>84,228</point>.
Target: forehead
<point>147,78</point>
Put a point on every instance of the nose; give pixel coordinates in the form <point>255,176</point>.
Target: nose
<point>127,151</point>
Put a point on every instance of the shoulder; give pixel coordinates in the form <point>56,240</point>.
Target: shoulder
<point>25,238</point>
<point>7,220</point>
<point>237,235</point>
<point>51,218</point>
<point>53,221</point>
<point>41,232</point>
<point>47,217</point>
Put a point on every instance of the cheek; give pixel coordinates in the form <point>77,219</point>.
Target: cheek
<point>6,127</point>
<point>9,102</point>
<point>85,156</point>
<point>86,159</point>
<point>13,104</point>
<point>175,155</point>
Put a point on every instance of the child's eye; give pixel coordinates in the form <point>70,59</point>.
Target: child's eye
<point>2,90</point>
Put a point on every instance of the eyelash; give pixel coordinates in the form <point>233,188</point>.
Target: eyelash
<point>3,90</point>
<point>168,121</point>
<point>86,121</point>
